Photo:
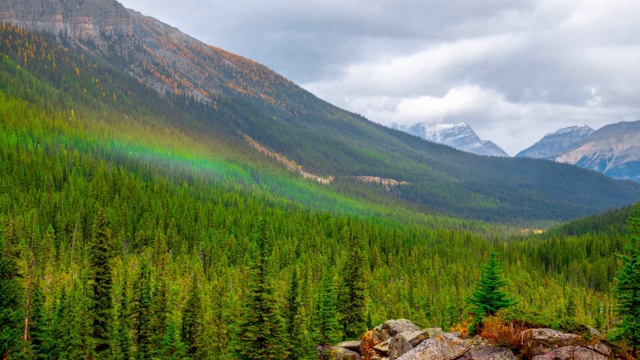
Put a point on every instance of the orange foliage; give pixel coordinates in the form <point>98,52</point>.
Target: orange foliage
<point>512,334</point>
<point>367,345</point>
<point>462,327</point>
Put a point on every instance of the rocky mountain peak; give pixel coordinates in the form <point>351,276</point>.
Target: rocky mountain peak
<point>460,136</point>
<point>558,142</point>
<point>90,24</point>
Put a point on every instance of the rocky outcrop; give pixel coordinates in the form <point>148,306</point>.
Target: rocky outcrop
<point>90,24</point>
<point>403,340</point>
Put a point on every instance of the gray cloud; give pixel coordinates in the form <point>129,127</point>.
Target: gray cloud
<point>513,70</point>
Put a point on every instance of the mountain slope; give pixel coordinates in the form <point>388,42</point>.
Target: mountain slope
<point>556,143</point>
<point>613,150</point>
<point>459,136</point>
<point>211,93</point>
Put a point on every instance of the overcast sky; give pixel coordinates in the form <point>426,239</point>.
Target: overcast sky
<point>513,70</point>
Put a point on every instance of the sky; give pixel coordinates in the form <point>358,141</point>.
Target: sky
<point>513,70</point>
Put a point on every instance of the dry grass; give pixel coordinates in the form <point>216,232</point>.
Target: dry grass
<point>462,327</point>
<point>513,334</point>
<point>368,343</point>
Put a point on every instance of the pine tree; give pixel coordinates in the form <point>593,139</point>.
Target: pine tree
<point>172,346</point>
<point>627,289</point>
<point>123,332</point>
<point>352,298</point>
<point>296,316</point>
<point>11,312</point>
<point>101,283</point>
<point>488,298</point>
<point>325,320</point>
<point>41,332</point>
<point>260,332</point>
<point>141,312</point>
<point>192,322</point>
<point>159,311</point>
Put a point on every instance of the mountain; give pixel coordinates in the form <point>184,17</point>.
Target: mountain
<point>556,143</point>
<point>613,150</point>
<point>460,136</point>
<point>250,117</point>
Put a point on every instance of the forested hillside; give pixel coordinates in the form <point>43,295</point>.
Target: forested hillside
<point>130,239</point>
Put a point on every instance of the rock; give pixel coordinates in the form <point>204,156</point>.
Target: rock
<point>336,353</point>
<point>391,328</point>
<point>351,345</point>
<point>442,346</point>
<point>594,332</point>
<point>545,340</point>
<point>488,353</point>
<point>402,343</point>
<point>383,348</point>
<point>575,352</point>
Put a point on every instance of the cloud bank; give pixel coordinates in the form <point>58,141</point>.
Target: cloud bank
<point>513,70</point>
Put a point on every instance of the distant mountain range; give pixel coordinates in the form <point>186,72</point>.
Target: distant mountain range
<point>460,136</point>
<point>613,150</point>
<point>263,116</point>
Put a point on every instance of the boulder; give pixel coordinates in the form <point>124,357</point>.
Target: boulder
<point>403,342</point>
<point>351,345</point>
<point>383,348</point>
<point>327,352</point>
<point>545,340</point>
<point>577,353</point>
<point>485,352</point>
<point>391,328</point>
<point>442,346</point>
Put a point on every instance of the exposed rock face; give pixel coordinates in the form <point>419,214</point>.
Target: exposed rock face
<point>596,352</point>
<point>433,344</point>
<point>459,136</point>
<point>556,143</point>
<point>337,353</point>
<point>91,24</point>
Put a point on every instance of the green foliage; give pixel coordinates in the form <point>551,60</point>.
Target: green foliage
<point>352,297</point>
<point>260,332</point>
<point>296,320</point>
<point>11,314</point>
<point>141,312</point>
<point>192,323</point>
<point>627,288</point>
<point>488,297</point>
<point>101,284</point>
<point>326,329</point>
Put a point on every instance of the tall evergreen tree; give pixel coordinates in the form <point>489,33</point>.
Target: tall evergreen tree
<point>260,332</point>
<point>101,280</point>
<point>123,332</point>
<point>159,311</point>
<point>10,308</point>
<point>296,320</point>
<point>141,312</point>
<point>352,298</point>
<point>40,328</point>
<point>192,322</point>
<point>627,289</point>
<point>325,321</point>
<point>488,298</point>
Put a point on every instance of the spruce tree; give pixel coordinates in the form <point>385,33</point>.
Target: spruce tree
<point>325,320</point>
<point>141,312</point>
<point>260,332</point>
<point>488,298</point>
<point>192,322</point>
<point>101,281</point>
<point>123,332</point>
<point>627,289</point>
<point>352,298</point>
<point>10,308</point>
<point>296,317</point>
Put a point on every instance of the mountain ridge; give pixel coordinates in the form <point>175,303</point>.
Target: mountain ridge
<point>459,136</point>
<point>244,97</point>
<point>612,150</point>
